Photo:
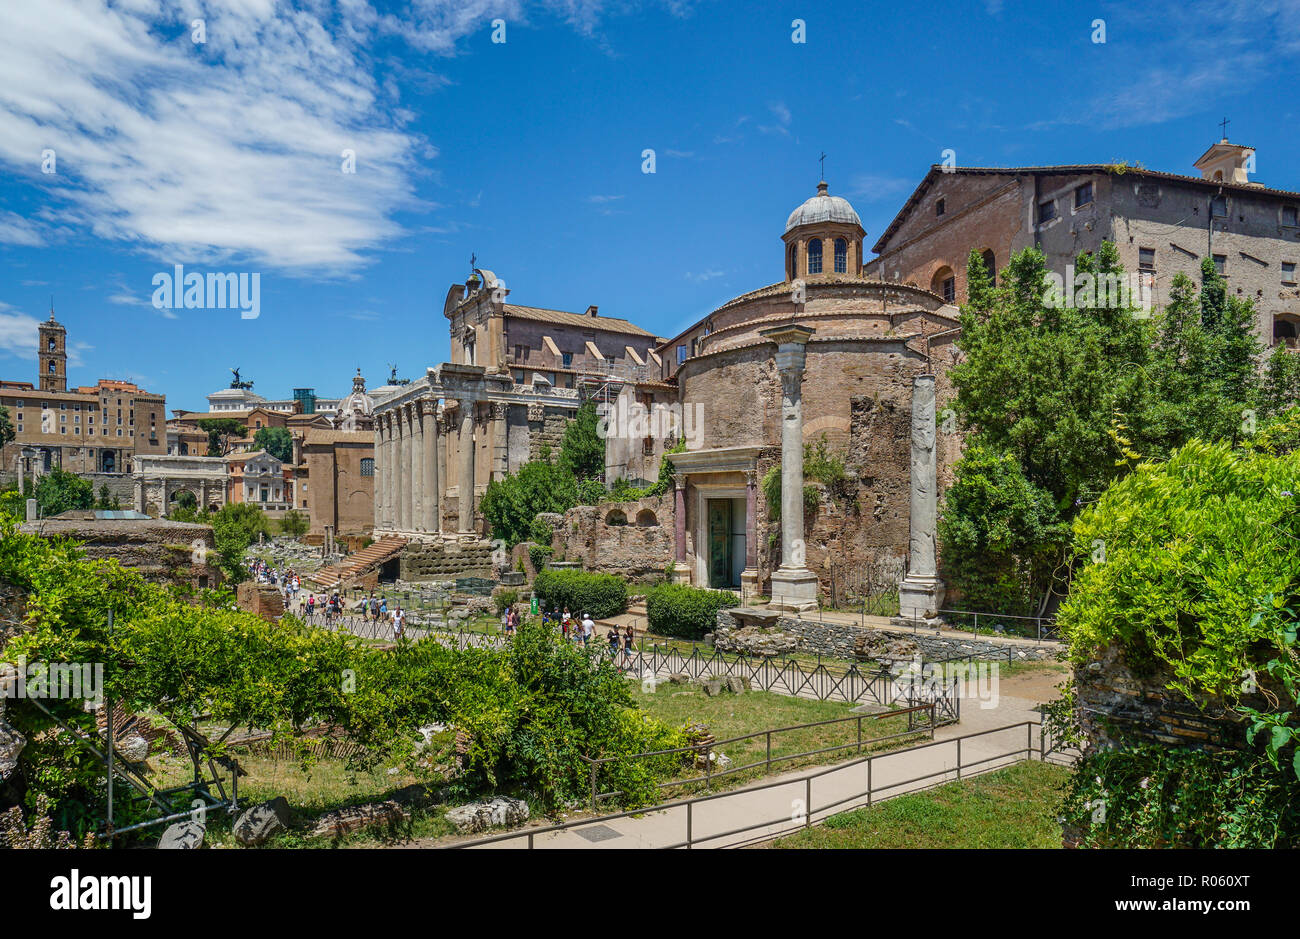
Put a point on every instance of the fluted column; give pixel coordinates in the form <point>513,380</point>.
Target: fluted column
<point>403,463</point>
<point>378,501</point>
<point>466,487</point>
<point>429,438</point>
<point>390,476</point>
<point>415,465</point>
<point>441,465</point>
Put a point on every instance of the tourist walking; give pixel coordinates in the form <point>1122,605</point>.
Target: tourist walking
<point>629,638</point>
<point>588,629</point>
<point>613,644</point>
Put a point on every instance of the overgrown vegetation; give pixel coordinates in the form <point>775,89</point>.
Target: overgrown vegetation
<point>531,711</point>
<point>1061,399</point>
<point>1190,568</point>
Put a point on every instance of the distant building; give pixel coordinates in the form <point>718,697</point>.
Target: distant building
<point>99,428</point>
<point>334,480</point>
<point>1162,224</point>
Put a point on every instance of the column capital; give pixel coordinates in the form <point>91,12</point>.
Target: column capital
<point>679,480</point>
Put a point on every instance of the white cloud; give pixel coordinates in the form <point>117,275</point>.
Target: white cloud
<point>16,230</point>
<point>702,276</point>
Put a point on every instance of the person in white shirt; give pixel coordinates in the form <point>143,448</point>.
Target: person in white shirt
<point>588,628</point>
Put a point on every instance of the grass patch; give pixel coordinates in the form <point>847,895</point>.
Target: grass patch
<point>731,715</point>
<point>1014,807</point>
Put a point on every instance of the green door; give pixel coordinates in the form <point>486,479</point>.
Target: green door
<point>719,543</point>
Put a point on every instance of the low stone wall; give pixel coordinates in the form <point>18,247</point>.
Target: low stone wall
<point>162,551</point>
<point>633,540</point>
<point>838,640</point>
<point>1118,707</point>
<point>421,561</point>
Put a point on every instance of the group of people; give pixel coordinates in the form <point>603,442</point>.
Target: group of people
<point>583,630</point>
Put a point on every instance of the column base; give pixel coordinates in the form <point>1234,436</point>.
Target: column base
<point>920,598</point>
<point>681,573</point>
<point>749,583</point>
<point>794,590</point>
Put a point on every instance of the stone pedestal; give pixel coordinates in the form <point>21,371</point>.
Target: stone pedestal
<point>920,594</point>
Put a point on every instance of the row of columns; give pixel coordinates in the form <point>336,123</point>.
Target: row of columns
<point>410,460</point>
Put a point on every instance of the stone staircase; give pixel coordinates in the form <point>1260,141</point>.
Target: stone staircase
<point>357,564</point>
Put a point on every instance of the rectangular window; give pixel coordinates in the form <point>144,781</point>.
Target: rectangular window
<point>1219,206</point>
<point>367,466</point>
<point>1221,264</point>
<point>939,208</point>
<point>566,359</point>
<point>1083,195</point>
<point>681,354</point>
<point>1147,259</point>
<point>1289,216</point>
<point>1288,272</point>
<point>950,290</point>
<point>1046,211</point>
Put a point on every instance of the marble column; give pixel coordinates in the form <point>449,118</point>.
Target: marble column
<point>139,491</point>
<point>466,481</point>
<point>749,576</point>
<point>403,466</point>
<point>681,573</point>
<point>416,468</point>
<point>794,587</point>
<point>921,592</point>
<point>442,470</point>
<point>429,482</point>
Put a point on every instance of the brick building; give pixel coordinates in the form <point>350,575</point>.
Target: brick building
<point>98,428</point>
<point>1161,223</point>
<point>334,480</point>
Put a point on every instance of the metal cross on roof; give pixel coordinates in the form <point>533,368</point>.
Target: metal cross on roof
<point>822,158</point>
<point>1224,124</point>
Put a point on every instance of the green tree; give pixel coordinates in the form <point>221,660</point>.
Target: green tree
<point>276,441</point>
<point>1001,534</point>
<point>511,503</point>
<point>1041,379</point>
<point>6,427</point>
<point>60,491</point>
<point>235,527</point>
<point>295,523</point>
<point>582,449</point>
<point>1202,376</point>
<point>1281,385</point>
<point>221,432</point>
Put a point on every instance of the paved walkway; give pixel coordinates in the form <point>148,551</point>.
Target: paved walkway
<point>783,804</point>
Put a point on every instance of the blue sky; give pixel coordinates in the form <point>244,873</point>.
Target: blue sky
<point>225,155</point>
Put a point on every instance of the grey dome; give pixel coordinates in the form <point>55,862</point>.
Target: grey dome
<point>823,207</point>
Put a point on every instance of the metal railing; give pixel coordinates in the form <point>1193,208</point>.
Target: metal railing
<point>1043,628</point>
<point>871,792</point>
<point>709,750</point>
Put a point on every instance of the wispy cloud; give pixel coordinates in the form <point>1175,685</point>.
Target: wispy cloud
<point>783,118</point>
<point>702,276</point>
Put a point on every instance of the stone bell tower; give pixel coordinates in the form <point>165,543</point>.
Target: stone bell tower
<point>52,355</point>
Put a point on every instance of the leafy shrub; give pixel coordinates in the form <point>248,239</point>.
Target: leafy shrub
<point>1176,560</point>
<point>505,600</point>
<point>538,555</point>
<point>1160,797</point>
<point>599,595</point>
<point>295,523</point>
<point>685,611</point>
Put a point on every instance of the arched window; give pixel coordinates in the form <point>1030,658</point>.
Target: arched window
<point>646,518</point>
<point>616,517</point>
<point>841,256</point>
<point>990,265</point>
<point>51,366</point>
<point>792,263</point>
<point>944,283</point>
<point>815,256</point>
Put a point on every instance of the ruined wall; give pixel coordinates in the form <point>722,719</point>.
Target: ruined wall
<point>162,551</point>
<point>437,561</point>
<point>1118,706</point>
<point>638,550</point>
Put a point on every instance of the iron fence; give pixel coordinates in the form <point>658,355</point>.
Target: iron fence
<point>709,751</point>
<point>869,794</point>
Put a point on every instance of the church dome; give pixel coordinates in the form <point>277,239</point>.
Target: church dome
<point>822,208</point>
